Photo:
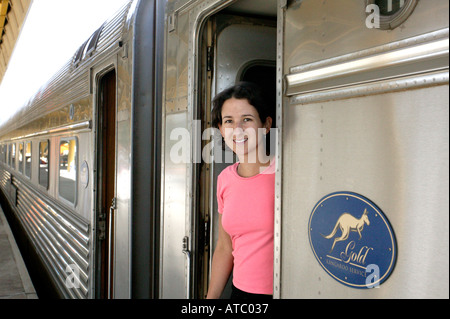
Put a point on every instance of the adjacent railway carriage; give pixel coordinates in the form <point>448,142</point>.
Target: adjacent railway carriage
<point>110,170</point>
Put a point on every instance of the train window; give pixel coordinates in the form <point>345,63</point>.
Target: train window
<point>43,163</point>
<point>28,159</point>
<point>88,47</point>
<point>78,56</point>
<point>68,169</point>
<point>12,155</point>
<point>21,157</point>
<point>393,13</point>
<point>92,42</point>
<point>389,7</point>
<point>3,155</point>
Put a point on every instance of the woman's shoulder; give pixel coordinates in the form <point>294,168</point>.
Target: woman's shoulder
<point>230,170</point>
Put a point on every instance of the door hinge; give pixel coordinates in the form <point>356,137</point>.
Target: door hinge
<point>101,226</point>
<point>210,58</point>
<point>188,255</point>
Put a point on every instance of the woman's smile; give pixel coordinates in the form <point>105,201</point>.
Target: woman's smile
<point>241,140</point>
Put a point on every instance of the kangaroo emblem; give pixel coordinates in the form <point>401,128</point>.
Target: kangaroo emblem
<point>348,223</point>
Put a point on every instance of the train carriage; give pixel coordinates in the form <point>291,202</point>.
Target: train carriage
<point>75,206</point>
<point>110,170</point>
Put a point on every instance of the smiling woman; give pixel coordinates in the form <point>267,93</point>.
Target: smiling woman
<point>245,195</point>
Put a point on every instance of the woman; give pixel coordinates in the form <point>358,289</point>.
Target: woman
<point>245,194</point>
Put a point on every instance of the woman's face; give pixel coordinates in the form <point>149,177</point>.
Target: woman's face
<point>242,128</point>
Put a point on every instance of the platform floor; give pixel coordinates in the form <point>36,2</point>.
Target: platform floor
<point>15,283</point>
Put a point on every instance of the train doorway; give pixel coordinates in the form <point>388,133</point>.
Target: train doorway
<point>210,46</point>
<point>106,184</point>
<point>239,44</point>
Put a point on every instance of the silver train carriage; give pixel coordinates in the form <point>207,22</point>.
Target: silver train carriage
<point>111,168</point>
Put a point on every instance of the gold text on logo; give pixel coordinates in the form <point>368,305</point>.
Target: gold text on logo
<point>350,255</point>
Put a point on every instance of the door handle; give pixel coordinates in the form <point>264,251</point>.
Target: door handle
<point>188,258</point>
<point>112,208</point>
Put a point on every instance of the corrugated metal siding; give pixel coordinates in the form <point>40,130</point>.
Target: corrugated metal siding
<point>5,184</point>
<point>60,238</point>
<point>5,177</point>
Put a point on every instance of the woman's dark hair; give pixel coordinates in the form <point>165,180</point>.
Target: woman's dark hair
<point>255,97</point>
<point>242,90</point>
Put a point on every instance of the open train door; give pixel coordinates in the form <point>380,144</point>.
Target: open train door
<point>364,150</point>
<point>210,45</point>
<point>106,185</point>
<point>241,46</point>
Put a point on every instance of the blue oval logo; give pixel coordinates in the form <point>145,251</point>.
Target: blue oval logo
<point>352,240</point>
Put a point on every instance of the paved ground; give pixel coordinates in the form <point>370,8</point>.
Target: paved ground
<point>15,283</point>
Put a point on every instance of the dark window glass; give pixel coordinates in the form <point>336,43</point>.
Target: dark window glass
<point>43,163</point>
<point>21,157</point>
<point>68,169</point>
<point>389,7</point>
<point>13,155</point>
<point>28,159</point>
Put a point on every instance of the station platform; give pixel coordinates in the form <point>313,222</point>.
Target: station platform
<point>15,282</point>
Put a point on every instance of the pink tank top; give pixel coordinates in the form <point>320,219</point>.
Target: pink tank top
<point>247,208</point>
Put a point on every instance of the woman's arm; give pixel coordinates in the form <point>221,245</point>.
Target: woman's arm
<point>222,263</point>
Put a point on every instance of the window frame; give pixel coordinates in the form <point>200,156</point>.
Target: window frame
<point>48,164</point>
<point>392,21</point>
<point>28,169</point>
<point>12,156</point>
<point>75,194</point>
<point>20,161</point>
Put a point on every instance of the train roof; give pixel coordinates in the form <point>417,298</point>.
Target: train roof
<point>69,83</point>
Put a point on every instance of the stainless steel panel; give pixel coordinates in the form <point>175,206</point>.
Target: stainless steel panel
<point>122,227</point>
<point>279,151</point>
<point>393,149</point>
<point>319,31</point>
<point>176,82</point>
<point>387,64</point>
<point>237,46</point>
<point>124,131</point>
<point>180,85</point>
<point>85,158</point>
<point>175,208</point>
<point>387,140</point>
